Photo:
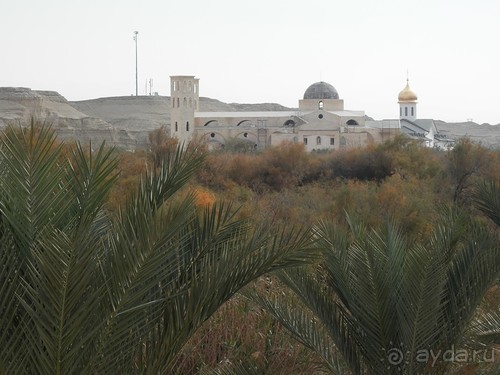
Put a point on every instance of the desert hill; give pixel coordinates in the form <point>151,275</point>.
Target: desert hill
<point>125,121</point>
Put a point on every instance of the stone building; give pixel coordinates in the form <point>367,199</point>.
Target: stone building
<point>320,122</point>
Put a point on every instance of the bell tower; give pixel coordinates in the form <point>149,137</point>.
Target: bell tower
<point>184,101</point>
<point>407,100</point>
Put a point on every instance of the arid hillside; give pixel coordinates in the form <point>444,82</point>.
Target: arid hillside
<point>125,121</point>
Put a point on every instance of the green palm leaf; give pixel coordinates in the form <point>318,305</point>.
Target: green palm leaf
<point>376,294</point>
<point>85,290</point>
<point>31,190</point>
<point>487,198</point>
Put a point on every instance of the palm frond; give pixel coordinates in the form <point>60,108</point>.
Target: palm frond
<point>233,266</point>
<point>487,199</point>
<point>375,293</point>
<point>306,328</point>
<point>175,171</point>
<point>92,176</point>
<point>32,195</point>
<point>420,302</point>
<point>484,330</point>
<point>63,287</point>
<point>230,368</point>
<point>472,270</point>
<point>11,319</point>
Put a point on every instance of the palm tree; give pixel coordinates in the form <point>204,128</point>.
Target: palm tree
<point>379,304</point>
<point>86,290</point>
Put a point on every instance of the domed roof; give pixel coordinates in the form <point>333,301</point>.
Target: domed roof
<point>407,95</point>
<point>321,90</point>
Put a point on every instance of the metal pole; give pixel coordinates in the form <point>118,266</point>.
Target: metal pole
<point>136,72</point>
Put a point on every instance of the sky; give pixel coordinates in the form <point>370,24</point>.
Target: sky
<point>259,51</point>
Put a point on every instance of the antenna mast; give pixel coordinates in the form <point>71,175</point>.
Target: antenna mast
<point>136,71</point>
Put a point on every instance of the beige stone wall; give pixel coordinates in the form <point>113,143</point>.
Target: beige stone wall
<point>219,120</point>
<point>319,139</point>
<point>278,138</point>
<point>326,104</point>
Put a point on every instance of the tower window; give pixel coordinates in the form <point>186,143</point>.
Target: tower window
<point>412,111</point>
<point>406,111</point>
<point>305,140</point>
<point>184,102</point>
<point>401,111</point>
<point>176,127</point>
<point>318,140</point>
<point>320,104</point>
<point>332,141</point>
<point>187,126</point>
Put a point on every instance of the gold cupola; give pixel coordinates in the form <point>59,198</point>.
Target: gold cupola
<point>407,95</point>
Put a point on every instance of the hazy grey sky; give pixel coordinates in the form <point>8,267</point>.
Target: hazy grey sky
<point>257,51</point>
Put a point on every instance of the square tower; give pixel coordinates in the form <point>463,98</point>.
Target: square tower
<point>184,101</point>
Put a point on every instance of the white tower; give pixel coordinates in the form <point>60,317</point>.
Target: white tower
<point>407,100</point>
<point>184,98</point>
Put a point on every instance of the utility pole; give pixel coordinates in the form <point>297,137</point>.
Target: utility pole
<point>136,72</point>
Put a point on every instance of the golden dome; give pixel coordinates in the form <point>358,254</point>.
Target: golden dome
<point>407,95</point>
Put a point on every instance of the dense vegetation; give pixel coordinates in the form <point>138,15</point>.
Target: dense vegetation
<point>117,262</point>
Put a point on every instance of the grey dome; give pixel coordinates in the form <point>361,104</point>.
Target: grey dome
<point>321,90</point>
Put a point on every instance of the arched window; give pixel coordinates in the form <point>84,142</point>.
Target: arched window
<point>412,111</point>
<point>352,122</point>
<point>406,111</point>
<point>213,122</point>
<point>176,127</point>
<point>173,102</point>
<point>184,102</point>
<point>320,104</point>
<point>178,105</point>
<point>401,111</point>
<point>190,102</point>
<point>187,126</point>
<point>318,140</point>
<point>244,122</point>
